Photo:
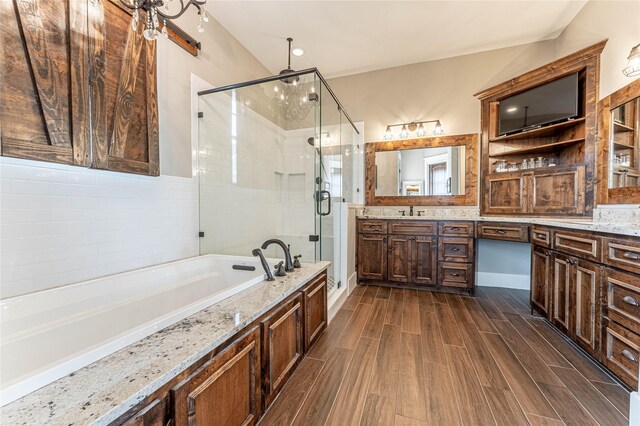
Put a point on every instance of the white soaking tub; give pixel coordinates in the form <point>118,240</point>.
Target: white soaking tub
<point>49,334</point>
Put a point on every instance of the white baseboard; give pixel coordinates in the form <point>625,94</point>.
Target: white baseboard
<point>489,279</point>
<point>335,302</point>
<point>353,282</point>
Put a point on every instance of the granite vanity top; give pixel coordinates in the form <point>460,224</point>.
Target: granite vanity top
<point>103,391</point>
<point>620,228</point>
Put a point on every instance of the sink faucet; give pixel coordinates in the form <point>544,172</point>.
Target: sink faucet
<point>288,263</point>
<point>410,210</point>
<point>265,265</point>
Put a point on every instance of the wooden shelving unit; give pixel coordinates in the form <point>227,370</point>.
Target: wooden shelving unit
<point>567,188</point>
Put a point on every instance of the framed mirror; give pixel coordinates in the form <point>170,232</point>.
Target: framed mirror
<point>619,146</point>
<point>439,171</point>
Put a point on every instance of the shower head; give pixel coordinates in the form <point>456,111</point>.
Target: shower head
<point>288,70</point>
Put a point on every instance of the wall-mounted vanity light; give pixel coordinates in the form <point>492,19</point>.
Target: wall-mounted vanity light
<point>633,66</point>
<point>415,126</point>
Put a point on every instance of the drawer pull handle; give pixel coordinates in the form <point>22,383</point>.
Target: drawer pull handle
<point>455,249</point>
<point>629,255</point>
<point>501,231</point>
<point>630,300</point>
<point>628,355</point>
<point>455,228</point>
<point>542,236</point>
<point>453,274</point>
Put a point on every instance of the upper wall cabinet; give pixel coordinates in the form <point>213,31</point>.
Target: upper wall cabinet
<point>124,106</point>
<point>44,74</point>
<point>79,85</point>
<point>539,139</point>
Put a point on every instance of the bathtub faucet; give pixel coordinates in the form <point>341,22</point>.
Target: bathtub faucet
<point>265,265</point>
<point>288,264</point>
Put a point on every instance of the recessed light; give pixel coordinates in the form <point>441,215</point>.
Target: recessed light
<point>512,109</point>
<point>297,51</point>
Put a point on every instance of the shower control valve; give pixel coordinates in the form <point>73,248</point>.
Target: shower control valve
<point>296,261</point>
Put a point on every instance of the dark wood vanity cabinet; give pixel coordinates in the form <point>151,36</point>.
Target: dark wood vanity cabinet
<point>590,290</point>
<point>236,382</point>
<point>419,254</point>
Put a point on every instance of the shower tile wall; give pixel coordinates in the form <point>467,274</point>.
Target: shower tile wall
<point>62,224</point>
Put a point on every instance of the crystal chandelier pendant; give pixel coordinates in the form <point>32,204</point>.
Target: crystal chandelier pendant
<point>200,24</point>
<point>134,20</point>
<point>165,32</point>
<point>205,14</point>
<point>156,10</point>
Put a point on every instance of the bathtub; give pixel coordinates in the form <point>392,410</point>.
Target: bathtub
<point>52,333</point>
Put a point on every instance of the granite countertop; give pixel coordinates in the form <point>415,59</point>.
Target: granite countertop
<point>621,228</point>
<point>101,392</point>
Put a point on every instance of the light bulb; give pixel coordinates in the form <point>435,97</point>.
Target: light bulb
<point>438,129</point>
<point>421,132</point>
<point>275,89</point>
<point>387,134</point>
<point>404,133</point>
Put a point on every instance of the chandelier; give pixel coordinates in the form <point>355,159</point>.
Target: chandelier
<point>156,10</point>
<point>291,95</point>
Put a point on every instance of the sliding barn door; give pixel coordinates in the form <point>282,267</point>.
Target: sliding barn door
<point>123,91</point>
<point>44,92</point>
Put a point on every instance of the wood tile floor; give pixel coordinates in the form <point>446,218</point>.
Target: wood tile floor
<point>402,357</point>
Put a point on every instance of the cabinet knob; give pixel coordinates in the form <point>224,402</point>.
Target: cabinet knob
<point>501,231</point>
<point>630,255</point>
<point>628,355</point>
<point>455,228</point>
<point>630,300</point>
<point>541,236</point>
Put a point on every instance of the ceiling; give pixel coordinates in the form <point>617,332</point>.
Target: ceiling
<point>349,37</point>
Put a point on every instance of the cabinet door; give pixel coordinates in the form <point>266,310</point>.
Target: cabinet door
<point>225,390</point>
<point>506,194</point>
<point>587,277</point>
<point>540,276</point>
<point>558,192</point>
<point>372,257</point>
<point>124,106</point>
<point>44,73</point>
<point>561,279</point>
<point>424,261</point>
<point>153,414</point>
<point>399,263</point>
<point>315,310</point>
<point>282,346</point>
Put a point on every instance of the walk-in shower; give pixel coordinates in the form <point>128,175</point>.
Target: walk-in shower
<point>277,158</point>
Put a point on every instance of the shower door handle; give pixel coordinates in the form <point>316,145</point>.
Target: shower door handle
<point>320,196</point>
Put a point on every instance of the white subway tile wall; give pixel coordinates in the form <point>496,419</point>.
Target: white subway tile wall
<point>62,224</point>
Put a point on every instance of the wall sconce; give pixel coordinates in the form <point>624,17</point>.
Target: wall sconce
<point>633,66</point>
<point>414,126</point>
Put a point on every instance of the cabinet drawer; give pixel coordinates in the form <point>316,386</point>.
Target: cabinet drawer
<point>457,275</point>
<point>622,253</point>
<point>622,293</point>
<point>465,229</point>
<point>455,249</point>
<point>621,353</point>
<point>504,231</point>
<point>580,244</point>
<point>372,226</point>
<point>412,227</point>
<point>541,236</point>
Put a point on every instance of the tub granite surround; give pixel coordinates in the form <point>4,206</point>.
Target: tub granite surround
<point>104,390</point>
<point>622,221</point>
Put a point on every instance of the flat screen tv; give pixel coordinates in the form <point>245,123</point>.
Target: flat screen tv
<point>546,104</point>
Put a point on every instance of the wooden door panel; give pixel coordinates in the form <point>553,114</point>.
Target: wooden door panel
<point>587,306</point>
<point>225,390</point>
<point>540,276</point>
<point>44,73</point>
<point>506,194</point>
<point>153,414</point>
<point>372,257</point>
<point>282,346</point>
<point>315,310</point>
<point>562,273</point>
<point>559,192</point>
<point>124,92</point>
<point>424,254</point>
<point>399,263</point>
